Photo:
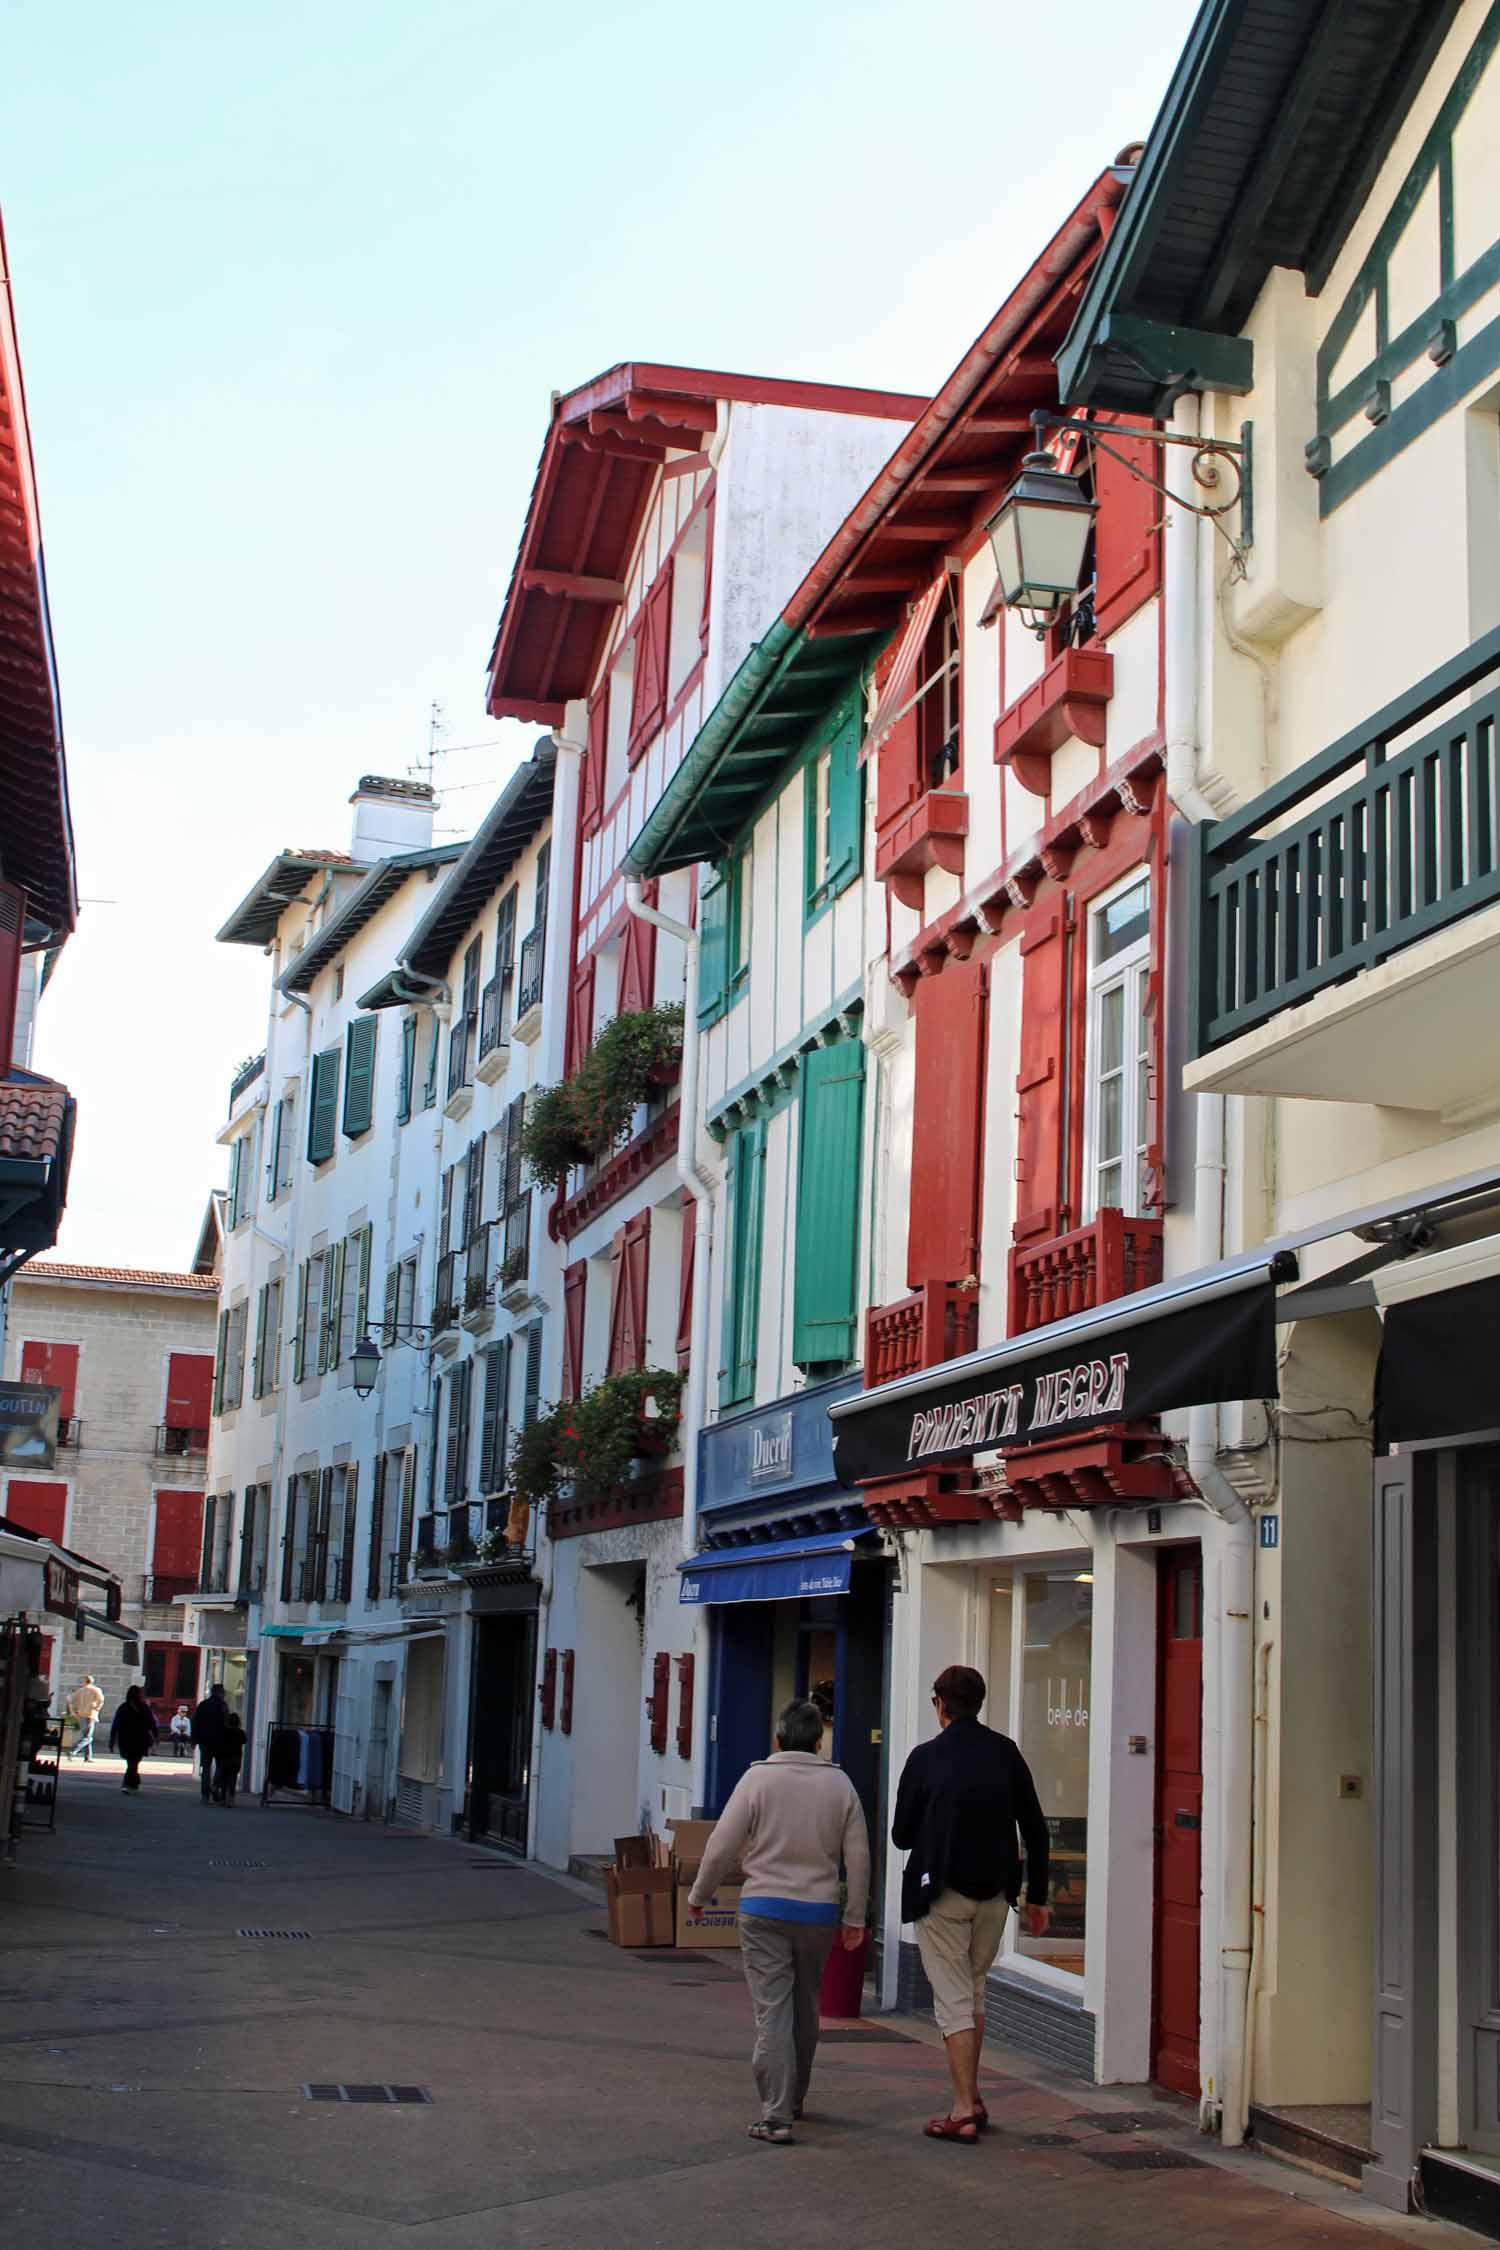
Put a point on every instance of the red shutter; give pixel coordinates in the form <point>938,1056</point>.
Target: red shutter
<point>575,1297</point>
<point>947,1124</point>
<point>1127,532</point>
<point>648,698</point>
<point>58,1364</point>
<point>581,1016</point>
<point>42,1508</point>
<point>565,1712</point>
<point>896,776</point>
<point>637,1269</point>
<point>638,957</point>
<point>684,1706</point>
<point>595,759</point>
<point>190,1384</point>
<point>177,1549</point>
<point>708,572</point>
<point>659,1699</point>
<point>548,1689</point>
<point>1041,1208</point>
<point>685,1282</point>
<point>1154,1185</point>
<point>615,1360</point>
<point>12,929</point>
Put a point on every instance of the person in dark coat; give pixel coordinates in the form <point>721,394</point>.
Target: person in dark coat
<point>963,1795</point>
<point>133,1732</point>
<point>231,1758</point>
<point>208,1733</point>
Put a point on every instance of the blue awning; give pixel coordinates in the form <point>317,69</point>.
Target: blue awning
<point>779,1571</point>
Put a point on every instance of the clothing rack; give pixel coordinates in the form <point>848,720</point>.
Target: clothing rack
<point>298,1764</point>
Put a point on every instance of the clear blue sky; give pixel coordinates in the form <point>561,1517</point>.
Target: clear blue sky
<point>293,287</point>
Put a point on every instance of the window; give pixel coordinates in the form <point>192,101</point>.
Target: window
<point>1040,1677</point>
<point>406,1297</point>
<point>745,1194</point>
<point>463,1037</point>
<point>359,1076</point>
<point>56,1365</point>
<point>828,1205</point>
<point>505,963</point>
<point>38,1507</point>
<point>242,1163</point>
<point>833,808</point>
<point>190,1378</point>
<point>406,1085</point>
<point>629,1268</point>
<point>169,1673</point>
<point>459,1387</point>
<point>724,937</point>
<point>336,1282</point>
<point>939,713</point>
<point>494,1426</point>
<point>323,1108</point>
<point>255,1525</point>
<point>354,1307</point>
<point>543,889</point>
<point>515,1196</point>
<point>233,1388</point>
<point>648,700</point>
<point>1118,1049</point>
<point>267,1339</point>
<point>307,1347</point>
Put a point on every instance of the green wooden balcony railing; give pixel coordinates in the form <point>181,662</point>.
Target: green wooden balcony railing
<point>1284,908</point>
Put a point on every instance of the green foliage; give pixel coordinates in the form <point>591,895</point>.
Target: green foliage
<point>585,1116</point>
<point>621,1418</point>
<point>534,1458</point>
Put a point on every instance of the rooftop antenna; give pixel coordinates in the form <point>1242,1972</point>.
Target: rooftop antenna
<point>437,727</point>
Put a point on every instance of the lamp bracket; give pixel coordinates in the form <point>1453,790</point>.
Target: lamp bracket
<point>1204,468</point>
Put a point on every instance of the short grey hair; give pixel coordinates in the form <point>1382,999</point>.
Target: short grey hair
<point>800,1726</point>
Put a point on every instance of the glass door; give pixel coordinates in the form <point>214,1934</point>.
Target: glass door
<point>1478,1703</point>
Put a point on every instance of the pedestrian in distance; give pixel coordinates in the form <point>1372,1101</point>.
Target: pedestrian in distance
<point>961,1799</point>
<point>85,1704</point>
<point>231,1758</point>
<point>208,1734</point>
<point>133,1732</point>
<point>789,1823</point>
<point>181,1731</point>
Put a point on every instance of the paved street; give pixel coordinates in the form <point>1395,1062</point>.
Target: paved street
<point>153,2061</point>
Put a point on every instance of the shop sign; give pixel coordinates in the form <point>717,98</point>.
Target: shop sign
<point>28,1425</point>
<point>785,1446</point>
<point>61,1591</point>
<point>771,1449</point>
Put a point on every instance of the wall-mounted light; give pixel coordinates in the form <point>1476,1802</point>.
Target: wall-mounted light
<point>366,1364</point>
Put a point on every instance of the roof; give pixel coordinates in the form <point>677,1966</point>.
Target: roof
<point>605,443</point>
<point>382,883</point>
<point>254,920</point>
<point>33,1112</point>
<point>35,822</point>
<point>946,475</point>
<point>119,1277</point>
<point>513,820</point>
<point>1273,128</point>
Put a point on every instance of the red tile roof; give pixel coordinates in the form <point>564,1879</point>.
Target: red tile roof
<point>32,1110</point>
<point>123,1277</point>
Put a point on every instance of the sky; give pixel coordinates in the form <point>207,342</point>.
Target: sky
<point>294,286</point>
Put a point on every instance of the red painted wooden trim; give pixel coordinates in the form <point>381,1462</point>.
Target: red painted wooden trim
<point>1067,701</point>
<point>652,1499</point>
<point>565,1711</point>
<point>638,1158</point>
<point>685,1668</point>
<point>547,1691</point>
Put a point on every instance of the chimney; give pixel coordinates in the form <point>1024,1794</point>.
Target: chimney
<point>391,817</point>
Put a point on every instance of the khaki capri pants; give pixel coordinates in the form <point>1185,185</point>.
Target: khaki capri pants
<point>958,1939</point>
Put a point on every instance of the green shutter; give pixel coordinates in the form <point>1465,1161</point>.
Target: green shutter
<point>258,1378</point>
<point>713,948</point>
<point>359,1077</point>
<point>299,1340</point>
<point>429,1091</point>
<point>273,1170</point>
<point>333,1305</point>
<point>845,802</point>
<point>219,1355</point>
<point>408,1069</point>
<point>323,1109</point>
<point>362,1292</point>
<point>746,1197</point>
<point>828,1204</point>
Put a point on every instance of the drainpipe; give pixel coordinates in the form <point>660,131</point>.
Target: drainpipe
<point>1257,1871</point>
<point>698,1184</point>
<point>1230,1564</point>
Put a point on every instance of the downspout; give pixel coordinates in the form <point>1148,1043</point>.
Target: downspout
<point>1262,1760</point>
<point>1227,1740</point>
<point>698,1184</point>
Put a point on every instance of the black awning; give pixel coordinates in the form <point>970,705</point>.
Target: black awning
<point>1193,1342</point>
<point>1439,1371</point>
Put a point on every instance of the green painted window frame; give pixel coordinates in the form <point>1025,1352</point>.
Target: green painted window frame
<point>828,872</point>
<point>323,1108</point>
<point>830,1142</point>
<point>745,1194</point>
<point>723,943</point>
<point>359,1076</point>
<point>406,1085</point>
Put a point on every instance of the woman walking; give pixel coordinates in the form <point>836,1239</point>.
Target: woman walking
<point>133,1733</point>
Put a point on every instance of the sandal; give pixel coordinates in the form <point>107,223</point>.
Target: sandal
<point>963,2130</point>
<point>981,2117</point>
<point>780,2136</point>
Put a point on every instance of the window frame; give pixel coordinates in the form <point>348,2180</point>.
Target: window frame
<point>1128,970</point>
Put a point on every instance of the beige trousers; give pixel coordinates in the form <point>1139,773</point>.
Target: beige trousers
<point>958,1939</point>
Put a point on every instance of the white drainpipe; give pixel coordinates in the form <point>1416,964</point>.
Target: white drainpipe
<point>698,1184</point>
<point>1229,1575</point>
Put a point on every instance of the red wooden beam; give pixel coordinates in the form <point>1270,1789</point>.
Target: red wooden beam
<point>617,449</point>
<point>875,618</point>
<point>926,534</point>
<point>698,415</point>
<point>574,585</point>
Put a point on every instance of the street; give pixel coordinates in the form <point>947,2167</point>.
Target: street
<point>156,2054</point>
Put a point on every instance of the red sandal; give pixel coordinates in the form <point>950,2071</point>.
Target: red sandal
<point>962,2130</point>
<point>981,2117</point>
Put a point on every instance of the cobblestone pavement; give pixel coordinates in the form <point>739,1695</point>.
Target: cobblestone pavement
<point>154,2053</point>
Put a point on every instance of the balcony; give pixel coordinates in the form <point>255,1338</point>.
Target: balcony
<point>213,1581</point>
<point>462,1041</point>
<point>479,1302</point>
<point>1350,952</point>
<point>936,1323</point>
<point>165,1586</point>
<point>494,1029</point>
<point>928,833</point>
<point>1109,1258</point>
<point>176,1443</point>
<point>245,1076</point>
<point>528,1023</point>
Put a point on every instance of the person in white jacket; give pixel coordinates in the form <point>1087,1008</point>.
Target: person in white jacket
<point>790,1822</point>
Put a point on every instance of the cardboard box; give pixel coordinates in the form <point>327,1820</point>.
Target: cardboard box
<point>642,1905</point>
<point>720,1925</point>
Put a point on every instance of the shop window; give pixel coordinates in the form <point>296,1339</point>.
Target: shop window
<point>1040,1692</point>
<point>1118,1050</point>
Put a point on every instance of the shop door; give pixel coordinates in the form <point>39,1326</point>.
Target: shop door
<point>379,1750</point>
<point>500,1728</point>
<point>1478,1706</point>
<point>1179,1820</point>
<point>740,1717</point>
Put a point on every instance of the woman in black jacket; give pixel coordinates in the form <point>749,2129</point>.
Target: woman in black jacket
<point>133,1733</point>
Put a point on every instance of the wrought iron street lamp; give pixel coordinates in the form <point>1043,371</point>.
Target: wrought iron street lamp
<point>366,1364</point>
<point>1040,535</point>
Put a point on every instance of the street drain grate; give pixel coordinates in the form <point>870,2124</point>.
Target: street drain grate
<point>274,1933</point>
<point>237,1863</point>
<point>865,2035</point>
<point>1146,2159</point>
<point>388,2094</point>
<point>1129,2121</point>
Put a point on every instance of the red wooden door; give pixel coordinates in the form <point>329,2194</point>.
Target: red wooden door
<point>1179,1820</point>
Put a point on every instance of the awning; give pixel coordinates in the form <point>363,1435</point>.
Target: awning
<point>781,1570</point>
<point>1207,1337</point>
<point>1439,1371</point>
<point>900,690</point>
